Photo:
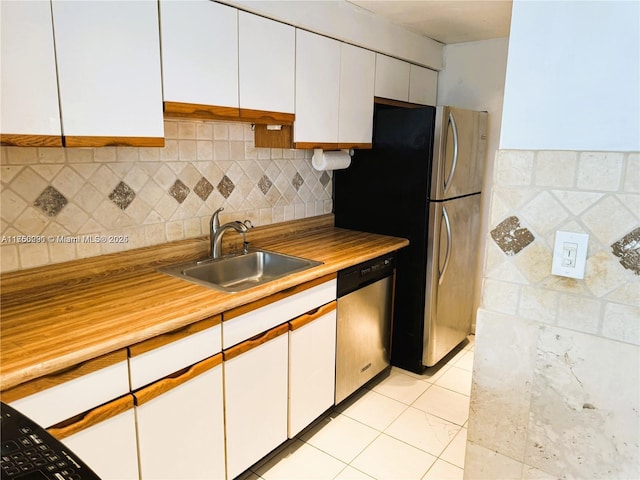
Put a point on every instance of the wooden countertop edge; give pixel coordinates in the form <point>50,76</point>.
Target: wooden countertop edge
<point>15,372</point>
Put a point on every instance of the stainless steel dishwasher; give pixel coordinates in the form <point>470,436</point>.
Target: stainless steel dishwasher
<point>364,312</point>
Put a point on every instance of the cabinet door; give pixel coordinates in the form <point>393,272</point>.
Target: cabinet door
<point>392,78</point>
<point>29,88</point>
<point>357,75</point>
<point>181,425</point>
<point>105,439</point>
<point>255,387</point>
<point>317,90</point>
<point>312,366</point>
<point>108,56</point>
<point>423,85</point>
<point>200,53</point>
<point>267,64</point>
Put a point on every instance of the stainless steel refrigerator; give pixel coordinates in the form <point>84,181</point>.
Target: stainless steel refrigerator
<point>422,180</point>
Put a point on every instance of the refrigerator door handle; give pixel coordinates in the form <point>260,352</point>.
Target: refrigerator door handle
<point>447,224</point>
<point>454,130</point>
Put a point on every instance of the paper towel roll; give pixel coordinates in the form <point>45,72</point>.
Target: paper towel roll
<point>332,160</point>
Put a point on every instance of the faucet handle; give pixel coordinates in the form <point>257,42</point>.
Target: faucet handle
<point>215,221</point>
<point>247,223</point>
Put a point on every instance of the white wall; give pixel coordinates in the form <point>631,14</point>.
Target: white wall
<point>473,78</point>
<point>573,76</point>
<point>347,22</point>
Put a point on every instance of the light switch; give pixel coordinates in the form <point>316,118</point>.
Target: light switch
<point>570,254</point>
<point>569,251</point>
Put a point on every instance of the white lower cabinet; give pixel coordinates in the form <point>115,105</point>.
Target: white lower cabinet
<point>312,366</point>
<point>181,424</point>
<point>255,388</point>
<point>105,439</point>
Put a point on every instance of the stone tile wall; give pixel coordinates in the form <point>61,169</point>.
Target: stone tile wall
<point>556,379</point>
<point>63,204</point>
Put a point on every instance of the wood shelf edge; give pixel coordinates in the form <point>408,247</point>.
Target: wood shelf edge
<point>96,141</point>
<point>28,140</point>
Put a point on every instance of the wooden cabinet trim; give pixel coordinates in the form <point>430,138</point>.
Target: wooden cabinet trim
<point>309,317</point>
<point>27,140</point>
<point>265,117</point>
<point>255,341</point>
<point>169,337</point>
<point>176,379</point>
<point>95,141</point>
<point>396,103</point>
<point>196,110</point>
<point>361,146</point>
<point>241,310</point>
<point>312,145</point>
<point>88,419</point>
<point>62,376</point>
<point>334,146</point>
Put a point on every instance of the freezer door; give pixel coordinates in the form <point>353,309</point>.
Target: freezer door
<point>451,269</point>
<point>459,151</point>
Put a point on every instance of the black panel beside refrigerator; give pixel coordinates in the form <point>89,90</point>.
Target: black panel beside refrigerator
<point>389,190</point>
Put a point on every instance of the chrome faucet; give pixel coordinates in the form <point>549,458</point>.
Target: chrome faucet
<point>217,231</point>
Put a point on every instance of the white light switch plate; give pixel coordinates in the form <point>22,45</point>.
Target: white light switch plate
<point>570,254</point>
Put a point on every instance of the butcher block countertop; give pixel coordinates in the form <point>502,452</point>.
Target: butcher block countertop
<point>59,316</point>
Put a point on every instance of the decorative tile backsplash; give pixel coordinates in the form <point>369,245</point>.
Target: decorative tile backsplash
<point>55,201</point>
<point>510,236</point>
<point>627,249</point>
<point>556,380</point>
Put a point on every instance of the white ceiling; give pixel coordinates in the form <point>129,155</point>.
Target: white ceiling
<point>447,21</point>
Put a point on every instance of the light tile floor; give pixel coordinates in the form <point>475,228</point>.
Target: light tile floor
<point>402,426</point>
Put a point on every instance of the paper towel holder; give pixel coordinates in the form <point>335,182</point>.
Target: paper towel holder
<point>319,151</point>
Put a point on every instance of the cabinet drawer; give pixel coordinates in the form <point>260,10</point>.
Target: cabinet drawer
<point>160,356</point>
<point>53,398</point>
<point>245,322</point>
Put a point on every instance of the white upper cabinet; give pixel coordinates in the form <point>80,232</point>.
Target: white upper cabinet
<point>334,93</point>
<point>392,78</point>
<point>317,89</point>
<point>28,84</point>
<point>423,85</point>
<point>267,64</point>
<point>399,80</point>
<point>108,56</point>
<point>357,74</point>
<point>199,52</point>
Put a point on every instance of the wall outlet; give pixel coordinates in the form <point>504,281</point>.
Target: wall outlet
<point>570,254</point>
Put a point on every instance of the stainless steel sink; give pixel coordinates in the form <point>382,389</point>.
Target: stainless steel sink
<point>240,272</point>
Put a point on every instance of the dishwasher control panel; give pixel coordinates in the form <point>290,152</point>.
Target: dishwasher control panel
<point>365,273</point>
<point>381,265</point>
